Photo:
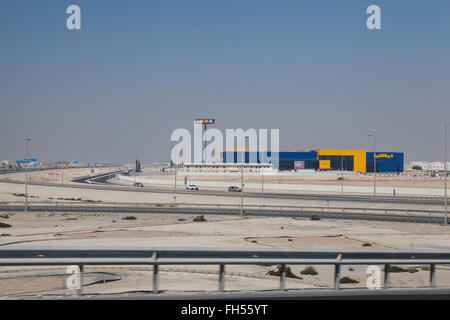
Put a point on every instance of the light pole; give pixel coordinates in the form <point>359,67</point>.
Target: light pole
<point>175,181</point>
<point>242,184</point>
<point>262,179</point>
<point>374,164</point>
<point>26,173</point>
<point>445,172</point>
<point>62,165</point>
<point>258,155</point>
<point>342,172</point>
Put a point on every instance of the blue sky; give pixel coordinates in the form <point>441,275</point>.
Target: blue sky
<point>137,70</point>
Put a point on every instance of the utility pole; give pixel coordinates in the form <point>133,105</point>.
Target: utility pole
<point>62,166</point>
<point>445,173</point>
<point>242,189</point>
<point>342,172</point>
<point>242,184</point>
<point>262,179</point>
<point>374,165</point>
<point>175,189</point>
<point>26,173</point>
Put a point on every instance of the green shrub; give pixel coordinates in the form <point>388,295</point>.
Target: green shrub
<point>19,194</point>
<point>199,219</point>
<point>366,244</point>
<point>129,218</point>
<point>315,217</point>
<point>4,216</point>
<point>4,225</point>
<point>351,269</point>
<point>397,269</point>
<point>309,271</point>
<point>348,280</point>
<point>425,268</point>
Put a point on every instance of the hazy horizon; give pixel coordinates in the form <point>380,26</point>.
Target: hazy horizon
<point>116,89</point>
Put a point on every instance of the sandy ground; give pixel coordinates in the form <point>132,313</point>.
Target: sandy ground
<point>173,230</point>
<point>10,193</point>
<point>57,176</point>
<point>322,183</point>
<point>350,179</point>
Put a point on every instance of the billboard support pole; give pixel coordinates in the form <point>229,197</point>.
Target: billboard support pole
<point>204,143</point>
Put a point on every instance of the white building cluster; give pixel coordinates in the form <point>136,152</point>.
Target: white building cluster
<point>433,166</point>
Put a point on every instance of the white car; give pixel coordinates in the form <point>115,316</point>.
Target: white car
<point>90,181</point>
<point>192,187</point>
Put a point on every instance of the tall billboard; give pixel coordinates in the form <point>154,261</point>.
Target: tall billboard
<point>205,121</point>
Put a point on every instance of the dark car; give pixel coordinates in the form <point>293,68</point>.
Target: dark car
<point>234,189</point>
<point>138,184</point>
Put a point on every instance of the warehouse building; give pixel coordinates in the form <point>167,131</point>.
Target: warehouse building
<point>329,159</point>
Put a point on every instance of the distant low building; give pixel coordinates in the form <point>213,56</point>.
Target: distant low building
<point>327,159</point>
<point>424,165</point>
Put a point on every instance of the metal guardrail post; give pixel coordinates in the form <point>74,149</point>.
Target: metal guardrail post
<point>80,290</point>
<point>386,275</point>
<point>432,275</point>
<point>155,278</point>
<point>222,278</point>
<point>283,277</point>
<point>337,276</point>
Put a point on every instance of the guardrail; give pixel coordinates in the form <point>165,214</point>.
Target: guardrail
<point>47,256</point>
<point>332,212</point>
<point>282,195</point>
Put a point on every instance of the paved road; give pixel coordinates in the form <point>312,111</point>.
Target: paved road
<point>346,294</point>
<point>100,184</point>
<point>293,213</point>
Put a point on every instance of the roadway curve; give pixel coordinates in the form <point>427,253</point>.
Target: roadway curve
<point>100,183</point>
<point>301,213</point>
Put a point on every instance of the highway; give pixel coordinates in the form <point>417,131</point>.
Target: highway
<point>159,256</point>
<point>345,294</point>
<point>100,183</point>
<point>249,211</point>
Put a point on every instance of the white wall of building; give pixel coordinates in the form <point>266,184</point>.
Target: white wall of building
<point>435,165</point>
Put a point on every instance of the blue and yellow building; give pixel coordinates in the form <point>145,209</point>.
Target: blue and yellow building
<point>329,159</point>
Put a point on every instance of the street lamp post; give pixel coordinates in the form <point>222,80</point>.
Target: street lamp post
<point>26,173</point>
<point>242,184</point>
<point>374,164</point>
<point>342,172</point>
<point>262,179</point>
<point>175,181</point>
<point>445,173</point>
<point>62,165</point>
